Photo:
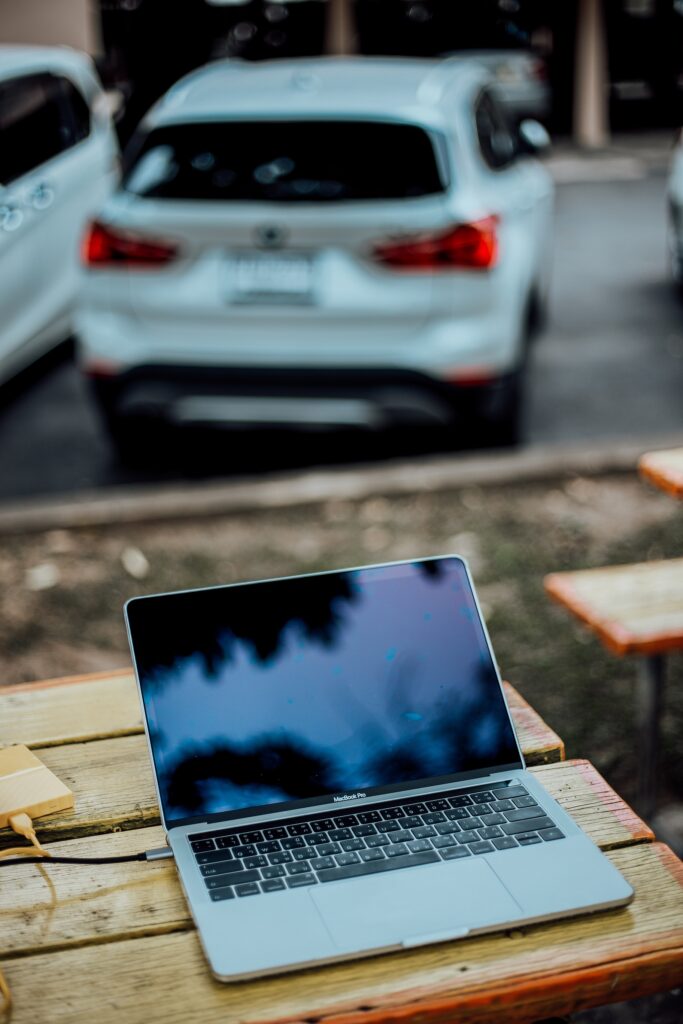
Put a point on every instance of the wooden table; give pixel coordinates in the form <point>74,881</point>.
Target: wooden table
<point>664,469</point>
<point>118,944</point>
<point>634,609</point>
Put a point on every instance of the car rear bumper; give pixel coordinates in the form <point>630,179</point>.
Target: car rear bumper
<point>295,398</point>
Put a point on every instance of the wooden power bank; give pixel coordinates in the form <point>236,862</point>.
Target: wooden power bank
<point>26,784</point>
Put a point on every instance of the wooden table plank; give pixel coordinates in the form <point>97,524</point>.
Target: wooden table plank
<point>593,804</point>
<point>123,900</point>
<point>519,975</point>
<point>94,902</point>
<point>92,707</point>
<point>540,743</point>
<point>664,469</point>
<point>634,609</point>
<point>70,710</point>
<point>112,784</point>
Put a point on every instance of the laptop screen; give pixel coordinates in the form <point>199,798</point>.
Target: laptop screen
<point>292,691</point>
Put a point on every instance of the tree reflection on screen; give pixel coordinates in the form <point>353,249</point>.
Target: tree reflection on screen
<point>272,767</point>
<point>173,630</point>
<point>298,688</point>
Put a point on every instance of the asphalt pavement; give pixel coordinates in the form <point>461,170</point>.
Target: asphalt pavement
<point>608,366</point>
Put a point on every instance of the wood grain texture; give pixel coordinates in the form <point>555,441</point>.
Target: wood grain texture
<point>111,781</point>
<point>82,708</point>
<point>634,609</point>
<point>664,469</point>
<point>512,976</point>
<point>95,902</point>
<point>70,710</point>
<point>593,804</point>
<point>540,743</point>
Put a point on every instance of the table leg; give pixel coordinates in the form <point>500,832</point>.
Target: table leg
<point>650,698</point>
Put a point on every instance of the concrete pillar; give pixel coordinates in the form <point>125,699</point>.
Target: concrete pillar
<point>339,36</point>
<point>591,127</point>
<point>54,23</point>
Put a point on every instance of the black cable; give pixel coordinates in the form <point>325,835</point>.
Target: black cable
<point>72,860</point>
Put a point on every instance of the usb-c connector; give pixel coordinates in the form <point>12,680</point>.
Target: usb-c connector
<point>160,853</point>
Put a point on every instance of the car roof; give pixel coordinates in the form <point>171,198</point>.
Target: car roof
<point>422,90</point>
<point>16,59</point>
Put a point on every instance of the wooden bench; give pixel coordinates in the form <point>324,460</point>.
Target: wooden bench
<point>118,944</point>
<point>634,609</point>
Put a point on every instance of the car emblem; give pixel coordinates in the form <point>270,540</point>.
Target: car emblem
<point>270,236</point>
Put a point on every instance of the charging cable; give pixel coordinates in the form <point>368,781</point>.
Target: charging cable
<point>37,854</point>
<point>23,826</point>
<point>163,853</point>
<point>6,994</point>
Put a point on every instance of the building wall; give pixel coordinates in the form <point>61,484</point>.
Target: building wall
<point>51,23</point>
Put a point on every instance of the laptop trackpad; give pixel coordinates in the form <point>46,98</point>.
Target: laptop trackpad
<point>442,901</point>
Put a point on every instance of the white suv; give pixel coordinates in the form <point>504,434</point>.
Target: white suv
<point>58,161</point>
<point>319,243</point>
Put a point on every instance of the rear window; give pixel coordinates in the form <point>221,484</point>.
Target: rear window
<point>284,161</point>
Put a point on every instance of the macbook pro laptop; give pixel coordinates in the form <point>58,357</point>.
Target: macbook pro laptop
<point>338,773</point>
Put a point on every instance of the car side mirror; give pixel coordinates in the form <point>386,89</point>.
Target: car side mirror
<point>533,137</point>
<point>109,104</point>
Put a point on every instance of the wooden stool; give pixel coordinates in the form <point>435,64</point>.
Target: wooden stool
<point>634,609</point>
<point>664,469</point>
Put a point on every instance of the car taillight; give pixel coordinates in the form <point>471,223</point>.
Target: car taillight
<point>100,368</point>
<point>539,69</point>
<point>103,246</point>
<point>473,246</point>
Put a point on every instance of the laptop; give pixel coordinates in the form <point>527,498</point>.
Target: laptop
<point>338,773</point>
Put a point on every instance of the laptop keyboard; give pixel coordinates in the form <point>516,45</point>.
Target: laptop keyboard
<point>386,837</point>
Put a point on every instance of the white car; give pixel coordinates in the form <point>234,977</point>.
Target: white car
<point>675,205</point>
<point>319,243</point>
<point>58,161</point>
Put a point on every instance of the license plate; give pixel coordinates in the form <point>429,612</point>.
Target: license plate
<point>273,278</point>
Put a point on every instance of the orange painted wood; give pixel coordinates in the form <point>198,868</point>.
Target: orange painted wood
<point>594,805</point>
<point>540,743</point>
<point>71,710</point>
<point>664,469</point>
<point>43,684</point>
<point>634,609</point>
<point>530,1002</point>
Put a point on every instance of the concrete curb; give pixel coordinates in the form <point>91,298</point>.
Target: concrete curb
<point>120,505</point>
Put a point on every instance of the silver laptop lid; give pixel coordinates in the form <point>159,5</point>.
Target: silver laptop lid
<point>294,692</point>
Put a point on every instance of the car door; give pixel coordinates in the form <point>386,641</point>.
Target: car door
<point>71,187</point>
<point>29,138</point>
<point>52,172</point>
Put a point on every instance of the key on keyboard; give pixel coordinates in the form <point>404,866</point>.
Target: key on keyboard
<point>392,836</point>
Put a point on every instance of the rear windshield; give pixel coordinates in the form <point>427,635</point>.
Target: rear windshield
<point>284,161</point>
